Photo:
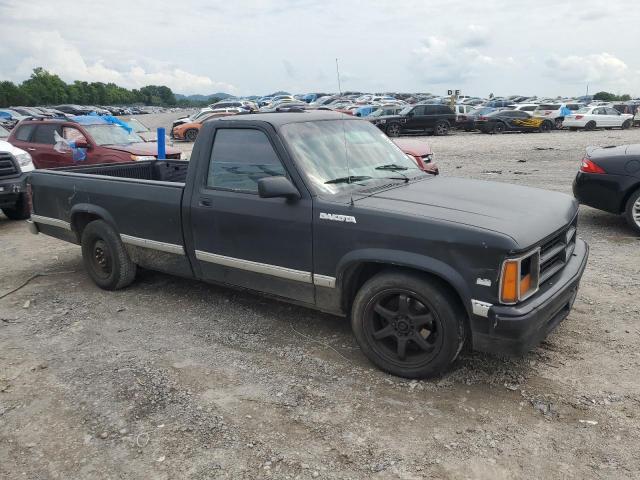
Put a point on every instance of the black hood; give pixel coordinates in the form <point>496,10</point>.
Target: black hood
<point>525,214</point>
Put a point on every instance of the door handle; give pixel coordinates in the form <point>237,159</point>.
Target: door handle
<point>205,202</point>
<point>31,149</point>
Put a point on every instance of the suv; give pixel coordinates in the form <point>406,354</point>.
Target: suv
<point>14,165</point>
<point>95,140</point>
<point>436,119</point>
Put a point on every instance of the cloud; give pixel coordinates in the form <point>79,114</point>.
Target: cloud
<point>440,60</point>
<point>50,50</point>
<point>475,36</point>
<point>597,68</point>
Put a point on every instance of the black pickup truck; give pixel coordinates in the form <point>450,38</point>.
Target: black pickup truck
<point>323,210</point>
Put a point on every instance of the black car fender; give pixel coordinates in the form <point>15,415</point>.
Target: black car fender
<point>83,213</point>
<point>347,269</point>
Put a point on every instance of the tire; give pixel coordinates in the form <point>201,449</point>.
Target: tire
<point>591,125</point>
<point>632,211</point>
<point>191,135</point>
<point>105,257</point>
<point>442,128</point>
<point>393,130</point>
<point>557,123</point>
<point>408,325</point>
<point>626,124</point>
<point>545,127</point>
<point>499,127</point>
<point>21,211</point>
<point>573,129</point>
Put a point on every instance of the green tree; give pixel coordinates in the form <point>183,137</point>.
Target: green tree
<point>43,88</point>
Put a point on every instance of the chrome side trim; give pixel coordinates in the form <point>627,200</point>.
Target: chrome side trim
<point>480,308</point>
<point>324,281</point>
<point>256,267</point>
<point>153,244</point>
<point>54,222</point>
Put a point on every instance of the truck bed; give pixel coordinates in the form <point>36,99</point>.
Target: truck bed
<point>156,170</point>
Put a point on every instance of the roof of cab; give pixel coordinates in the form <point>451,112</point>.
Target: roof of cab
<point>283,118</point>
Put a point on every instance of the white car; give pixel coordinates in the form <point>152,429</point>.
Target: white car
<point>597,117</point>
<point>554,111</point>
<point>15,164</point>
<point>524,107</point>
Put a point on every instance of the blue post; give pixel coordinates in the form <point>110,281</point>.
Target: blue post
<point>162,154</point>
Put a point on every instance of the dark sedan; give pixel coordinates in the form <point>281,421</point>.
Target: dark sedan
<point>512,121</point>
<point>609,180</point>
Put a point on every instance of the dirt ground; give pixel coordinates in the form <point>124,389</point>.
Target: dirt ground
<point>172,378</point>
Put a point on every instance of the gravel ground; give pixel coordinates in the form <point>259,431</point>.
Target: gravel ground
<point>172,378</point>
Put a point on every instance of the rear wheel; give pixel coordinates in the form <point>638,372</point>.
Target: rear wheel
<point>499,127</point>
<point>21,211</point>
<point>591,125</point>
<point>393,130</point>
<point>190,135</point>
<point>558,123</point>
<point>632,211</point>
<point>545,126</point>
<point>105,257</point>
<point>408,325</point>
<point>442,128</point>
<point>626,124</point>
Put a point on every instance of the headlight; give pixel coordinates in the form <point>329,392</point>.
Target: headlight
<point>25,162</point>
<point>142,157</point>
<point>520,277</point>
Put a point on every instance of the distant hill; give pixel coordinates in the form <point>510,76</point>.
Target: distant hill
<point>202,98</point>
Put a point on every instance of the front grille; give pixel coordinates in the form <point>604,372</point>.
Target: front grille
<point>556,252</point>
<point>8,167</point>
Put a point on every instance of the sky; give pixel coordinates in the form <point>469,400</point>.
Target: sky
<point>245,47</point>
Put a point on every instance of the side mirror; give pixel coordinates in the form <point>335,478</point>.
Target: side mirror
<point>272,187</point>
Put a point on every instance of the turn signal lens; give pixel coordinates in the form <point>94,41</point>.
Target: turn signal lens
<point>509,292</point>
<point>525,285</point>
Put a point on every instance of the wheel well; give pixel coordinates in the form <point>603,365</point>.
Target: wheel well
<point>626,198</point>
<point>80,220</point>
<point>356,276</point>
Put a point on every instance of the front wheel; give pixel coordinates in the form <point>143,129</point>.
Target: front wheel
<point>442,128</point>
<point>105,257</point>
<point>393,130</point>
<point>191,135</point>
<point>558,123</point>
<point>632,211</point>
<point>408,325</point>
<point>21,211</point>
<point>591,125</point>
<point>498,127</point>
<point>626,124</point>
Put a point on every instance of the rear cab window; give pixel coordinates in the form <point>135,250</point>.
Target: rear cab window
<point>240,157</point>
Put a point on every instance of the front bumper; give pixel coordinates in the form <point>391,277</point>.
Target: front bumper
<point>516,329</point>
<point>11,189</point>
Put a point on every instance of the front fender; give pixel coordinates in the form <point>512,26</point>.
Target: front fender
<point>408,260</point>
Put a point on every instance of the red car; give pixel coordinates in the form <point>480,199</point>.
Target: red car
<point>96,140</point>
<point>420,151</point>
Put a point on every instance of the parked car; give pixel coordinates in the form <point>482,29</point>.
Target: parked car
<point>385,110</point>
<point>462,114</point>
<point>436,119</point>
<point>15,164</point>
<point>11,117</point>
<point>142,130</point>
<point>609,180</point>
<point>590,118</point>
<point>420,151</point>
<point>189,131</point>
<point>191,118</point>
<point>470,123</point>
<point>73,109</point>
<point>423,264</point>
<point>4,132</point>
<point>95,140</point>
<point>524,107</point>
<point>556,112</point>
<point>512,121</point>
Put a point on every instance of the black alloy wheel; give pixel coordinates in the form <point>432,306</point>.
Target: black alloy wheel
<point>393,130</point>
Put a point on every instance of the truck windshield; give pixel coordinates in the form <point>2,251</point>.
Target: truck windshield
<point>112,135</point>
<point>322,148</point>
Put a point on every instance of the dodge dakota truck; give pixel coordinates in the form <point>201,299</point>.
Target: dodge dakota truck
<point>323,210</point>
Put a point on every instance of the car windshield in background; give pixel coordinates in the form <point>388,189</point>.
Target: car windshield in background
<point>112,135</point>
<point>322,149</point>
<point>406,110</point>
<point>4,133</point>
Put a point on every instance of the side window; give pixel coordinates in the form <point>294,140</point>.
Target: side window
<point>24,132</point>
<point>443,109</point>
<point>612,111</point>
<point>419,110</point>
<point>600,111</point>
<point>72,134</point>
<point>241,157</point>
<point>44,134</point>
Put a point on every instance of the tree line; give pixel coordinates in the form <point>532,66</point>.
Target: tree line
<point>45,88</point>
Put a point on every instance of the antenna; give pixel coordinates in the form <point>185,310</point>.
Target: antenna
<point>344,132</point>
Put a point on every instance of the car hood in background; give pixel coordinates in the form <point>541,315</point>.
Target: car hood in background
<point>413,146</point>
<point>142,148</point>
<point>525,214</point>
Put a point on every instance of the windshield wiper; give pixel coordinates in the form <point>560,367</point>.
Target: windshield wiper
<point>392,166</point>
<point>350,179</point>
